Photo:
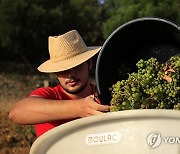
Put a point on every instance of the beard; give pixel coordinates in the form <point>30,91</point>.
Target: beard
<point>75,90</point>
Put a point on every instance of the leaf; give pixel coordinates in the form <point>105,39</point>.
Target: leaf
<point>167,78</point>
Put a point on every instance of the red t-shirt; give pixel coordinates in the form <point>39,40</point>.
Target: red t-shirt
<point>55,93</point>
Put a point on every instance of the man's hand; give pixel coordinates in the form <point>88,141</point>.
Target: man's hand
<point>89,106</point>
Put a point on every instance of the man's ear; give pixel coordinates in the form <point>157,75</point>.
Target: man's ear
<point>90,63</point>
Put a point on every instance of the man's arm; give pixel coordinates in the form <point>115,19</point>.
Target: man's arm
<point>34,110</point>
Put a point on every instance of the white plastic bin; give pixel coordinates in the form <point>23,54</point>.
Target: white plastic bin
<point>142,131</point>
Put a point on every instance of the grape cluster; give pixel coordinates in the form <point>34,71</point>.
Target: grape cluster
<point>154,86</point>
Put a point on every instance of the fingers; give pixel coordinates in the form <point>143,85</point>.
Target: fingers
<point>99,107</point>
<point>94,112</point>
<point>103,108</point>
<point>91,107</point>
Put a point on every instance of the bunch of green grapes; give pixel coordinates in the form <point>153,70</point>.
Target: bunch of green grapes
<point>154,86</point>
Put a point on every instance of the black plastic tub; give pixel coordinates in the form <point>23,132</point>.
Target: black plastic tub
<point>141,38</point>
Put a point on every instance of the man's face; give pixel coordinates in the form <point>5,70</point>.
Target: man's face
<point>74,80</point>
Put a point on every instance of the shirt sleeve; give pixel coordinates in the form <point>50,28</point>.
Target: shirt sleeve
<point>46,93</point>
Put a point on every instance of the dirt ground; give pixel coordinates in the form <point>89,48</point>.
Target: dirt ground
<point>16,139</point>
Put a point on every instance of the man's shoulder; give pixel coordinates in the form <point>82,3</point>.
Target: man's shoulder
<point>48,92</point>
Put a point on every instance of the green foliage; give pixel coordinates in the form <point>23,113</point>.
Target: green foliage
<point>26,24</point>
<point>87,17</point>
<point>119,12</point>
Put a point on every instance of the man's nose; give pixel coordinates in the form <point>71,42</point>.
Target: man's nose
<point>71,72</point>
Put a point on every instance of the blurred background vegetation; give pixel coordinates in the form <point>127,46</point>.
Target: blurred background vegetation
<point>26,24</point>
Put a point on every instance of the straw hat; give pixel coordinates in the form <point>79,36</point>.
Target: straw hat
<point>67,51</point>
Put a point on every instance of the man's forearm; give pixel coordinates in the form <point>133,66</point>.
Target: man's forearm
<point>38,110</point>
<point>34,110</point>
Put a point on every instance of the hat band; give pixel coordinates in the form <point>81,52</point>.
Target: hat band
<point>56,59</point>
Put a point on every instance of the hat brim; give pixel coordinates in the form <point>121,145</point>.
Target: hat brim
<point>50,66</point>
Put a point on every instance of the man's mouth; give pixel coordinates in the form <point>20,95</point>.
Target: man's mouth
<point>72,82</point>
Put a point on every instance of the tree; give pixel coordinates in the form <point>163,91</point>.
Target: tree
<point>120,11</point>
<point>26,24</point>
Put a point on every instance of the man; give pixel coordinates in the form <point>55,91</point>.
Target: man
<point>48,107</point>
